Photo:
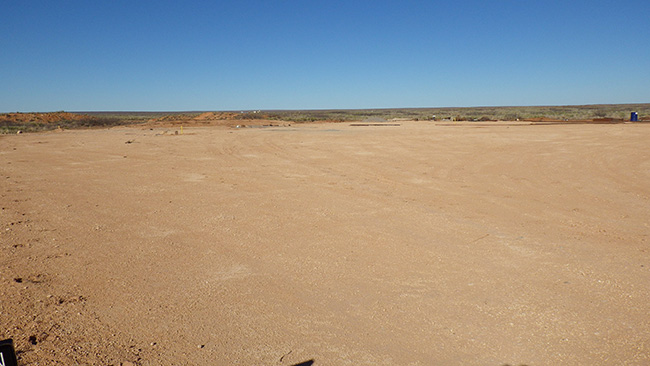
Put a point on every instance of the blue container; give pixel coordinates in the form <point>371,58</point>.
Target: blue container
<point>634,117</point>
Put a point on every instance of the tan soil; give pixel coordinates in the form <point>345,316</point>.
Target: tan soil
<point>418,244</point>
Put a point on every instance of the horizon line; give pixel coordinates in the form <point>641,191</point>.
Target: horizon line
<point>328,109</point>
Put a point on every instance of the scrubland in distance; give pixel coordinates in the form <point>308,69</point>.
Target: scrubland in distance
<point>33,122</point>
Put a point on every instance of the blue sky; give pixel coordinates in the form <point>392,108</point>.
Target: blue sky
<point>231,55</point>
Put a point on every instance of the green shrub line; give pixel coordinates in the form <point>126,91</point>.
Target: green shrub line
<point>7,127</point>
<point>585,112</point>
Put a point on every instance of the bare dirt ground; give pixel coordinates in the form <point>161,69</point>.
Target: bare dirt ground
<point>417,244</point>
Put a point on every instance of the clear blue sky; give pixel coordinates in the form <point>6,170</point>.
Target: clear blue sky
<point>299,54</point>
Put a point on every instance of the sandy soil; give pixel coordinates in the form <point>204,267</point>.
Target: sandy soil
<point>418,244</point>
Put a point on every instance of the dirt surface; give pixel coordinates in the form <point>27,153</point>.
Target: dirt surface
<point>417,244</point>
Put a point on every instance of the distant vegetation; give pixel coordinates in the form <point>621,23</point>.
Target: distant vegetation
<point>586,112</point>
<point>33,122</point>
<point>36,122</point>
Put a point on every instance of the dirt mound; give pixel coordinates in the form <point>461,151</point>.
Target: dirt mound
<point>542,119</point>
<point>228,119</point>
<point>218,116</point>
<point>52,117</point>
<point>214,116</point>
<point>172,117</point>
